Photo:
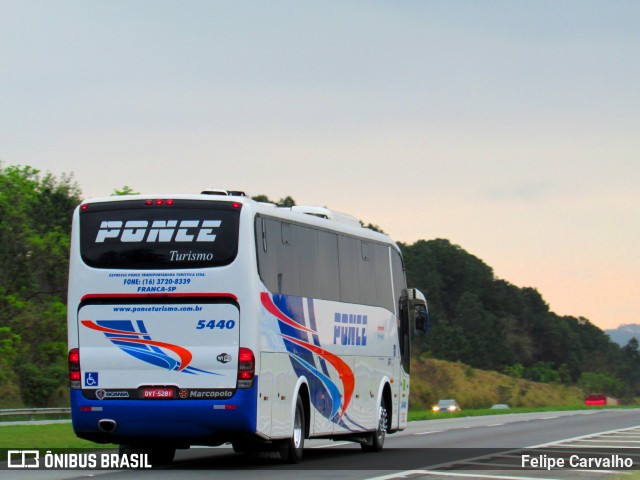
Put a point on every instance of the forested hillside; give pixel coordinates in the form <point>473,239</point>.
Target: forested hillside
<point>491,324</point>
<point>475,318</point>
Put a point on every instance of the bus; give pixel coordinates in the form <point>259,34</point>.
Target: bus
<point>213,318</point>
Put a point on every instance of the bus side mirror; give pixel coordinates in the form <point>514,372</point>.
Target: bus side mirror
<point>422,319</point>
<point>418,311</point>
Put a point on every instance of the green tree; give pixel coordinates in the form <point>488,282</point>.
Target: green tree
<point>126,190</point>
<point>283,202</point>
<point>516,370</point>
<point>286,202</point>
<point>35,226</point>
<point>371,226</point>
<point>38,383</point>
<point>262,198</point>
<point>544,372</point>
<point>596,382</point>
<point>629,367</point>
<point>10,346</point>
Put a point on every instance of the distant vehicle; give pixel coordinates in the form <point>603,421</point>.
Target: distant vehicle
<point>500,406</point>
<point>600,400</point>
<point>595,400</point>
<point>446,406</point>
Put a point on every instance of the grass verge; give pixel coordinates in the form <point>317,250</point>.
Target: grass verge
<point>59,436</point>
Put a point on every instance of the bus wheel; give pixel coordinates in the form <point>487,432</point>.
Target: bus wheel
<point>292,449</point>
<point>376,439</point>
<point>156,455</point>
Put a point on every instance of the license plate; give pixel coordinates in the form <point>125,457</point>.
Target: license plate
<point>158,392</point>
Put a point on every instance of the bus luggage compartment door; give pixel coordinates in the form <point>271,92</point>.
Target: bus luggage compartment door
<point>169,350</point>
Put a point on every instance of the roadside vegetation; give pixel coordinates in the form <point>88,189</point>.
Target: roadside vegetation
<point>59,435</point>
<point>481,326</point>
<point>472,388</point>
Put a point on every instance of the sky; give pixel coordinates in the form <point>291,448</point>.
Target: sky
<point>509,128</point>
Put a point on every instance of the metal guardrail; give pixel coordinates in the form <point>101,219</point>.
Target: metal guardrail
<point>34,411</point>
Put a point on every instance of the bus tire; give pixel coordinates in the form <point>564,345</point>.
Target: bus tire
<point>292,449</point>
<point>376,438</point>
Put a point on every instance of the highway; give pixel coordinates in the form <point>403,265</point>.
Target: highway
<point>467,447</point>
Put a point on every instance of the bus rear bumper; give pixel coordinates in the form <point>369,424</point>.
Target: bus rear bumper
<point>180,422</point>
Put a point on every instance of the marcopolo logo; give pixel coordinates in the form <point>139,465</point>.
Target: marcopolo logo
<point>165,231</point>
<point>199,394</point>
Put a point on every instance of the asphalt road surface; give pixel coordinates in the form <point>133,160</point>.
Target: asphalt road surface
<point>469,447</point>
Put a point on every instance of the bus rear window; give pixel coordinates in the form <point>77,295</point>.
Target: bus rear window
<point>184,234</point>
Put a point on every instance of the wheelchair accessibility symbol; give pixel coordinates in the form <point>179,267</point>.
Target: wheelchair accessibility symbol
<point>91,379</point>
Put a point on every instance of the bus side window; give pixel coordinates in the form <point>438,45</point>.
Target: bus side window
<point>366,274</point>
<point>286,233</point>
<point>308,262</point>
<point>328,274</point>
<point>348,262</point>
<point>397,272</point>
<point>287,265</point>
<point>268,254</point>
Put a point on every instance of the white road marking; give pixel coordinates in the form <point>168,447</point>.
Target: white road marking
<point>570,442</point>
<point>335,444</point>
<point>452,474</point>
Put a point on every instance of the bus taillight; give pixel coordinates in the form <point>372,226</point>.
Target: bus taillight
<point>246,368</point>
<point>74,368</point>
<point>159,201</point>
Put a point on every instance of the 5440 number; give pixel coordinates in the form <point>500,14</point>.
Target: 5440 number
<point>213,324</point>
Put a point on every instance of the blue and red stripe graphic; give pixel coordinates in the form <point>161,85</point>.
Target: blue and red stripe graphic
<point>138,344</point>
<point>289,311</point>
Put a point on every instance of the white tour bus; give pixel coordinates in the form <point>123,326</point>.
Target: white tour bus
<point>212,318</point>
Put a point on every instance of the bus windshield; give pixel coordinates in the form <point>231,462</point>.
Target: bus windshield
<point>159,234</point>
